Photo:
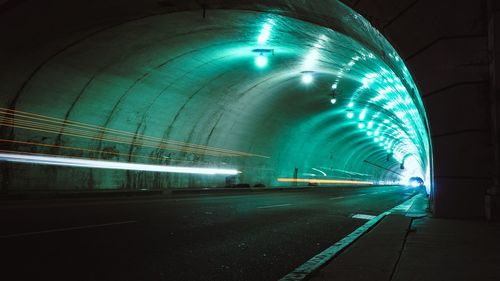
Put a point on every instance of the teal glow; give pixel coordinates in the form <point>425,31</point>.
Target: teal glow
<point>251,69</point>
<point>307,78</point>
<point>264,33</point>
<point>362,114</point>
<point>261,61</point>
<point>311,59</point>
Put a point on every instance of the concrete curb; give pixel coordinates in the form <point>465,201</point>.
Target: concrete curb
<point>311,267</point>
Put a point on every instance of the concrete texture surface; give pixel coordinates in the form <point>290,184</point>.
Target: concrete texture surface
<point>373,257</point>
<point>415,247</point>
<point>441,249</point>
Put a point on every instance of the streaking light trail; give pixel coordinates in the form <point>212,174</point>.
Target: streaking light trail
<point>323,181</point>
<point>86,163</point>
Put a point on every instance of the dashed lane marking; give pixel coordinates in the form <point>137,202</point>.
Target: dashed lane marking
<point>65,229</point>
<point>273,206</point>
<point>363,216</point>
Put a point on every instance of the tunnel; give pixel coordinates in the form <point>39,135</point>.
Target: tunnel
<point>249,139</point>
<point>270,93</point>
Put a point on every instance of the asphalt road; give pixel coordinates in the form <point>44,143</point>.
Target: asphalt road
<point>240,236</point>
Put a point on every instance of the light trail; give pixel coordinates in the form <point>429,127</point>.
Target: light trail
<point>91,150</point>
<point>99,164</point>
<point>117,139</point>
<point>164,146</point>
<point>89,131</point>
<point>318,170</point>
<point>324,181</point>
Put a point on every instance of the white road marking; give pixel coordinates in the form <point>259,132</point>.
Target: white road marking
<point>333,198</point>
<point>363,216</point>
<point>65,229</point>
<point>362,194</point>
<point>273,206</point>
<point>405,206</point>
<point>305,270</point>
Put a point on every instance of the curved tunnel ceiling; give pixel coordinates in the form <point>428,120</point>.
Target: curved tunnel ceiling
<point>242,89</point>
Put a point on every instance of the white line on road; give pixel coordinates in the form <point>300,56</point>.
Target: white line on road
<point>307,268</point>
<point>362,194</point>
<point>363,216</point>
<point>333,198</point>
<point>65,229</point>
<point>273,206</point>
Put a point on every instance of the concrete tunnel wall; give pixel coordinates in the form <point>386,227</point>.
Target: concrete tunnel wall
<point>451,48</point>
<point>165,85</point>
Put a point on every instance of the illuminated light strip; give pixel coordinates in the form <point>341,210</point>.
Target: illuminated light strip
<point>92,150</point>
<point>63,124</point>
<point>87,163</point>
<point>323,181</point>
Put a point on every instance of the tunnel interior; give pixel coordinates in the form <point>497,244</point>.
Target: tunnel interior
<point>274,96</point>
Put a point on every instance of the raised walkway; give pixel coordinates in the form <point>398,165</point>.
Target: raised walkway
<point>413,245</point>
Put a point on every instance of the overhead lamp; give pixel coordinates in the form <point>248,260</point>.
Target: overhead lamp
<point>362,114</point>
<point>350,114</point>
<point>307,77</point>
<point>361,125</point>
<point>261,61</point>
<point>333,100</point>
